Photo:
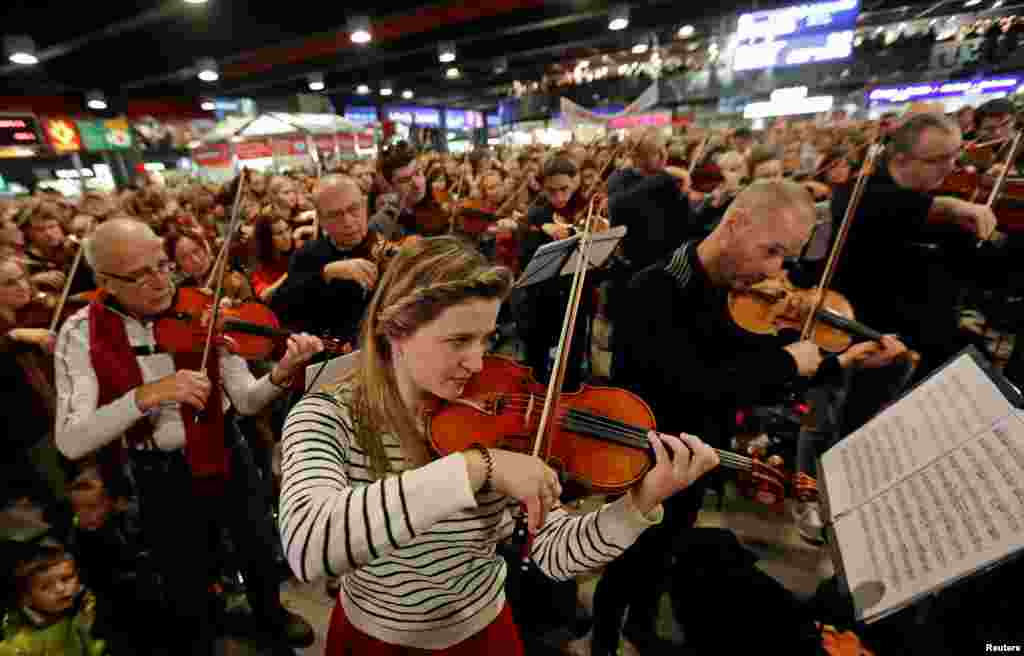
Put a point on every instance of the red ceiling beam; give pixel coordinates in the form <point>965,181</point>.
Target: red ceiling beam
<point>423,20</point>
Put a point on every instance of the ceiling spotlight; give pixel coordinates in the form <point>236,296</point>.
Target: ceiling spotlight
<point>972,3</point>
<point>500,65</point>
<point>96,100</point>
<point>618,17</point>
<point>316,82</point>
<point>408,94</point>
<point>21,50</point>
<point>362,89</point>
<point>997,4</point>
<point>446,52</point>
<point>685,32</point>
<point>207,70</point>
<point>452,73</point>
<point>359,29</point>
<point>208,106</point>
<point>195,2</point>
<point>385,89</point>
<point>641,45</point>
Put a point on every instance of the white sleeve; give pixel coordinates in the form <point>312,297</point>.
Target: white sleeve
<point>82,427</point>
<point>246,393</point>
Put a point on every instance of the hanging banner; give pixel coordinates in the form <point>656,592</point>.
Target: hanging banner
<point>257,149</point>
<point>114,134</point>
<point>213,155</point>
<point>62,135</point>
<point>573,114</point>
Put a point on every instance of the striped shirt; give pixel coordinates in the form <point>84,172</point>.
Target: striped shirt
<point>416,550</point>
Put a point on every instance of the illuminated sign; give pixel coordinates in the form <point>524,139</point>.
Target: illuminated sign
<point>794,51</point>
<point>114,134</point>
<point>421,116</point>
<point>788,102</point>
<point>455,119</point>
<point>18,131</point>
<point>493,121</point>
<point>62,134</point>
<point>838,15</point>
<point>361,115</point>
<point>951,88</point>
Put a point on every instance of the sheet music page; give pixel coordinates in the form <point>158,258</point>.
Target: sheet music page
<point>938,416</point>
<point>960,514</point>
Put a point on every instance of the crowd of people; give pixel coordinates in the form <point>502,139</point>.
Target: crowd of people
<point>142,481</point>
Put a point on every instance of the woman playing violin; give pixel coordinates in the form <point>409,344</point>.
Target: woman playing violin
<point>272,238</point>
<point>194,259</point>
<point>365,498</point>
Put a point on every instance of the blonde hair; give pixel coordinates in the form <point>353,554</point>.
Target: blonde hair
<point>425,279</point>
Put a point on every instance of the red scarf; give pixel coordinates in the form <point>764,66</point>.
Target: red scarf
<point>117,370</point>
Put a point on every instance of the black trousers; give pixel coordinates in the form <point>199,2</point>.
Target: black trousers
<point>182,527</point>
<point>636,579</point>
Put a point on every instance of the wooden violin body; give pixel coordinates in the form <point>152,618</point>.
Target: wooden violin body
<point>598,435</point>
<point>970,185</point>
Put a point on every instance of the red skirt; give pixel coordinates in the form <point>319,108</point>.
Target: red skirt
<point>499,638</point>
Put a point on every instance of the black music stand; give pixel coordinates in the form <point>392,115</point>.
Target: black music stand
<point>560,258</point>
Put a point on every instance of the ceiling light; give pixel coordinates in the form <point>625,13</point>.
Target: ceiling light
<point>195,2</point>
<point>408,94</point>
<point>618,18</point>
<point>316,82</point>
<point>21,50</point>
<point>207,70</point>
<point>685,32</point>
<point>500,65</point>
<point>385,89</point>
<point>452,73</point>
<point>359,29</point>
<point>446,52</point>
<point>96,100</point>
<point>640,48</point>
<point>208,106</point>
<point>362,89</point>
<point>997,4</point>
<point>971,3</point>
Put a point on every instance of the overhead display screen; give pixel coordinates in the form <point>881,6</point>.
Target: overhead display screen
<point>18,130</point>
<point>797,35</point>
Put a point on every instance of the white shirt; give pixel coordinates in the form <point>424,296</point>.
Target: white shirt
<point>83,428</point>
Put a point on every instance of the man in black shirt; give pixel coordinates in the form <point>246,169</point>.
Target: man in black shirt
<point>650,157</point>
<point>330,279</point>
<point>678,349</point>
<point>892,268</point>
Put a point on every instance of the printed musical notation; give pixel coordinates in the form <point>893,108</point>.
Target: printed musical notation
<point>930,491</point>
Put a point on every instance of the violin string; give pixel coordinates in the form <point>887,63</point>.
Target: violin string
<point>623,433</point>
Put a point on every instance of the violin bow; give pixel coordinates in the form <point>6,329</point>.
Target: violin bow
<point>698,154</point>
<point>67,286</point>
<point>452,211</point>
<point>866,170</point>
<point>236,217</point>
<point>1001,182</point>
<point>542,442</point>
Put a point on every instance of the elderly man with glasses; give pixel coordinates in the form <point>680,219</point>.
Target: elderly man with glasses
<point>120,394</point>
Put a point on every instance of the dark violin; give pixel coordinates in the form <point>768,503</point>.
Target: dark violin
<point>599,434</point>
<point>250,330</point>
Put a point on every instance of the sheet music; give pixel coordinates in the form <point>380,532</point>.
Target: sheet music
<point>932,492</point>
<point>938,416</point>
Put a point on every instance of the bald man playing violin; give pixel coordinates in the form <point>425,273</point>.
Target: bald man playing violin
<point>678,349</point>
<point>118,390</point>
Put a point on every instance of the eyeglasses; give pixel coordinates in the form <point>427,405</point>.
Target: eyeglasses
<point>150,275</point>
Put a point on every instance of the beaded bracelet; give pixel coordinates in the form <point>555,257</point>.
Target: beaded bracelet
<point>489,461</point>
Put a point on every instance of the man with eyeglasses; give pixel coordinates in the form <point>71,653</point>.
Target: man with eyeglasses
<point>892,268</point>
<point>995,120</point>
<point>330,279</point>
<point>400,169</point>
<point>120,394</point>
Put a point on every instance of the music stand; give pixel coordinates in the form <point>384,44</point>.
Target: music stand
<point>560,258</point>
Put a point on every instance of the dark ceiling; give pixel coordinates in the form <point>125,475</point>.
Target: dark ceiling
<point>135,50</point>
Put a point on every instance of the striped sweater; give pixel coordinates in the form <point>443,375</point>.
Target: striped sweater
<point>416,550</point>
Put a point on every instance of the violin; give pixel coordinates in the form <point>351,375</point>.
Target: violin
<point>777,304</point>
<point>599,434</point>
<point>250,330</point>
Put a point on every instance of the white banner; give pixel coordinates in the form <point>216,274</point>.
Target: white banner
<point>573,114</point>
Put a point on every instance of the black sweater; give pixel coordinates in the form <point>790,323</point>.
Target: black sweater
<point>657,216</point>
<point>677,348</point>
<point>306,302</point>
